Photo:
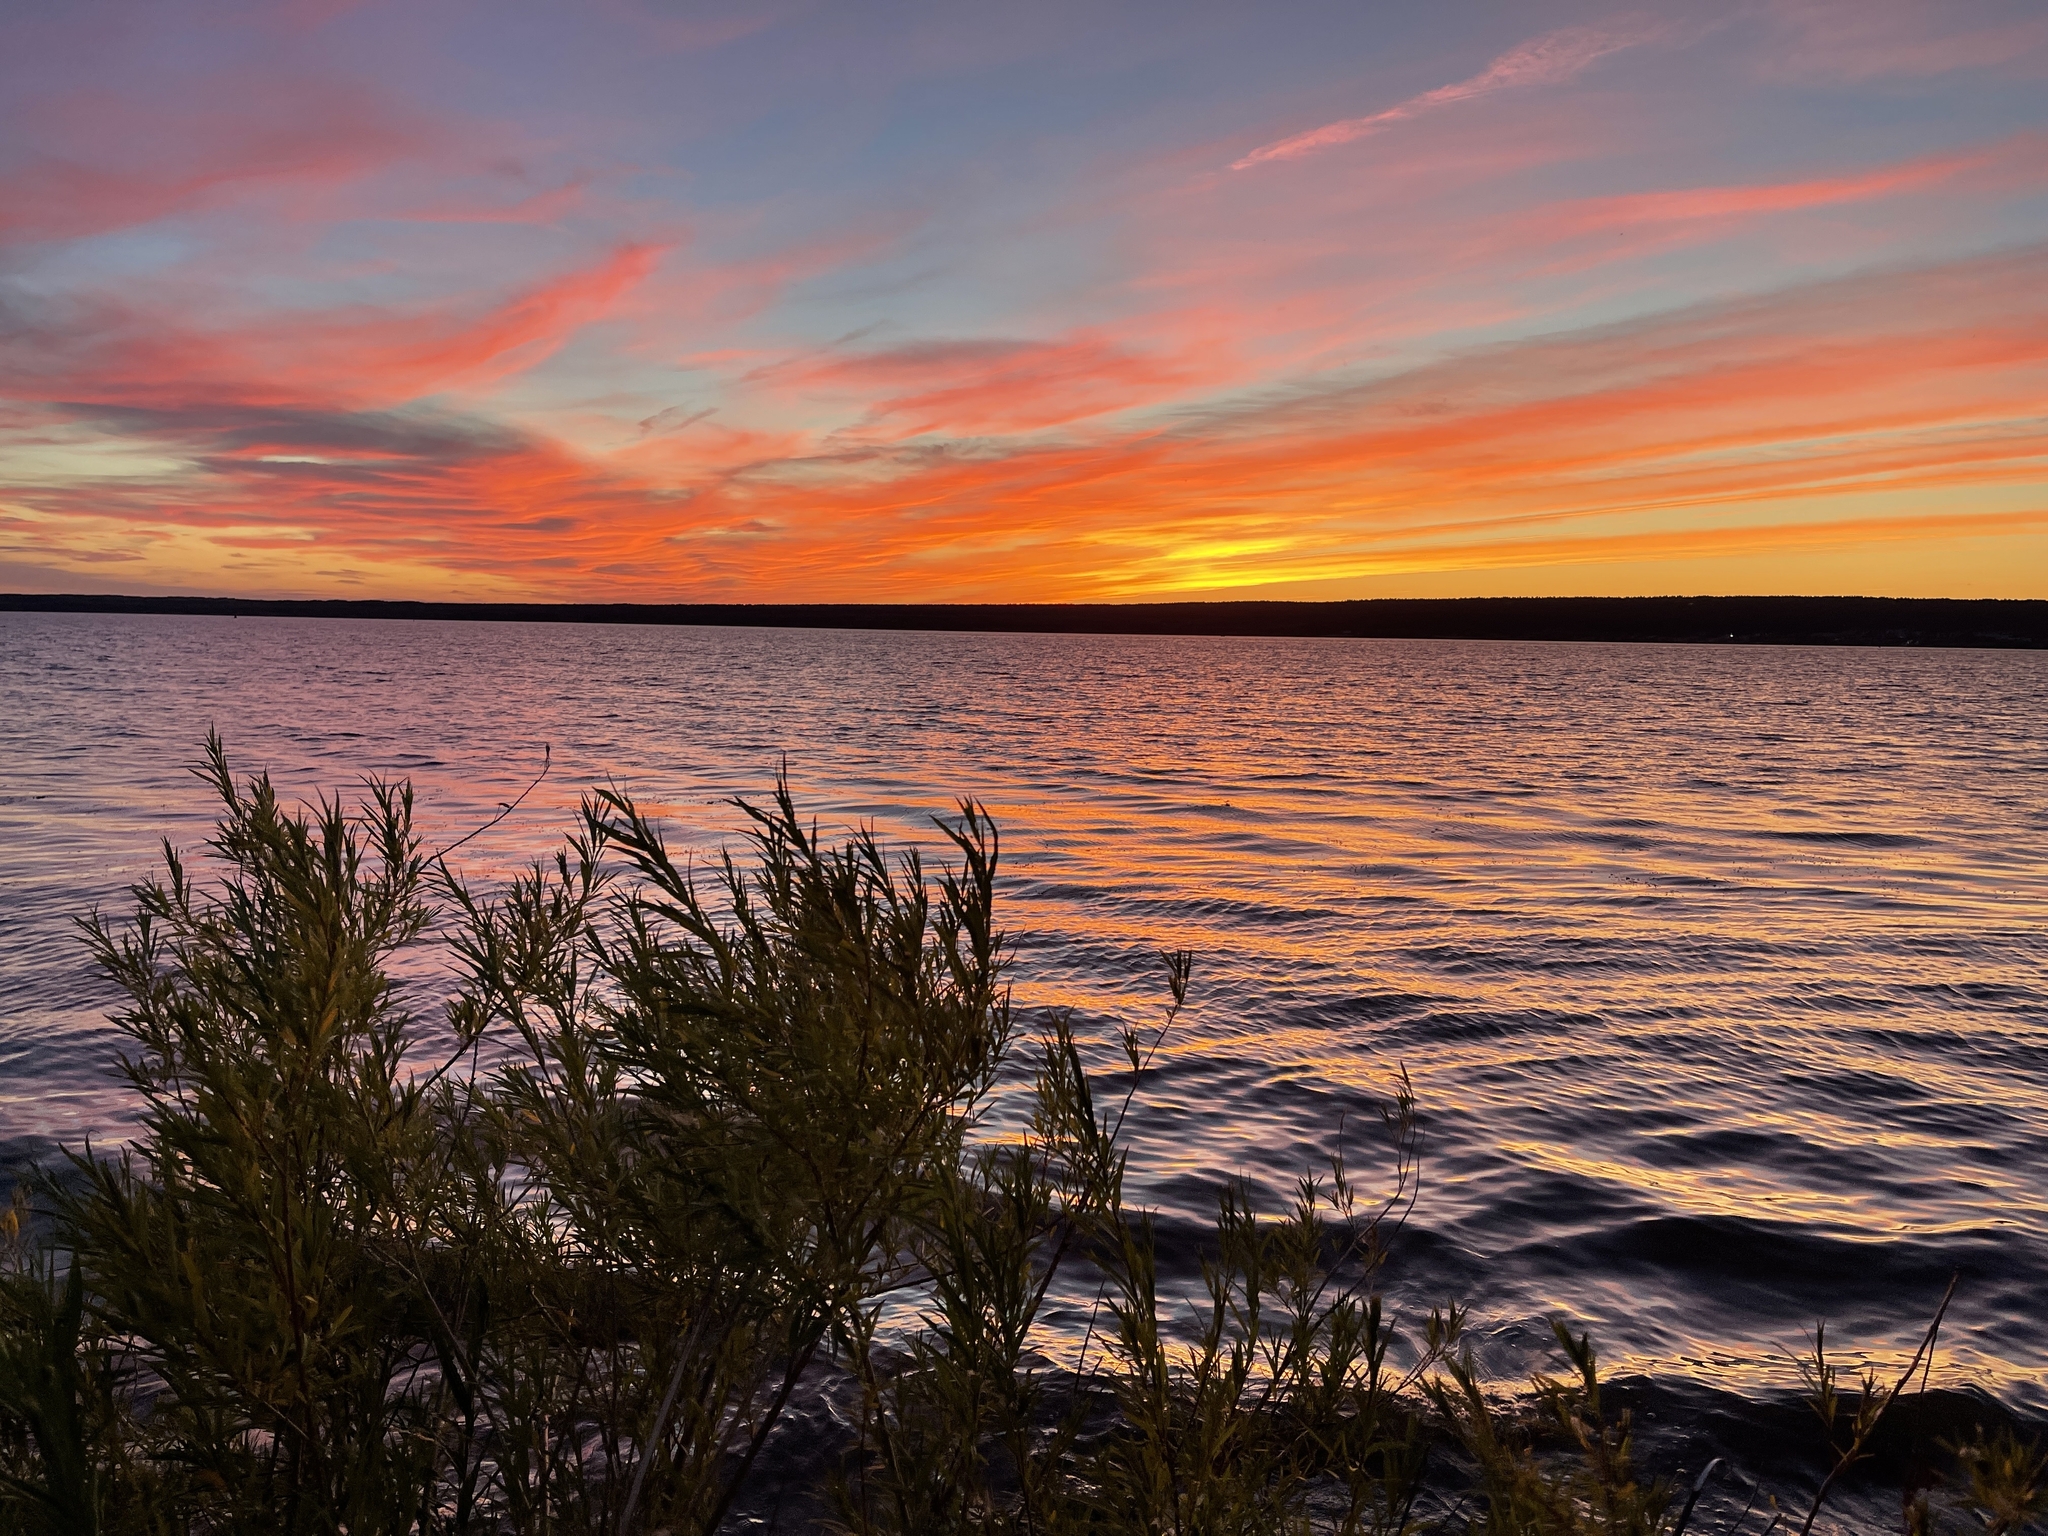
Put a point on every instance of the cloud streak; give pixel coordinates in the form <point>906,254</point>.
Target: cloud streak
<point>105,352</point>
<point>318,136</point>
<point>1550,59</point>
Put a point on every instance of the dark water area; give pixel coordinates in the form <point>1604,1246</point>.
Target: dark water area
<point>1721,973</point>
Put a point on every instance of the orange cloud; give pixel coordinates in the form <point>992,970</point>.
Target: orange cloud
<point>1891,408</point>
<point>1809,406</point>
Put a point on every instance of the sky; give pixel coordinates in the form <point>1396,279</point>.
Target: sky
<point>963,302</point>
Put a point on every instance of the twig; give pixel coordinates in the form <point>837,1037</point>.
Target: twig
<point>547,753</point>
<point>1700,1482</point>
<point>1852,1454</point>
<point>684,1357</point>
<point>1755,1488</point>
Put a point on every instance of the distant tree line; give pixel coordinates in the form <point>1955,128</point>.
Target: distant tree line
<point>1979,623</point>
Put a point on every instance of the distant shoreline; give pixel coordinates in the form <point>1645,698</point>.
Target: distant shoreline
<point>1978,623</point>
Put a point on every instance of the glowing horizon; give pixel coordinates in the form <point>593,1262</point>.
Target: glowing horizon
<point>789,303</point>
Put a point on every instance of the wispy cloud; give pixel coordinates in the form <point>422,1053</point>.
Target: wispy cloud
<point>1855,40</point>
<point>973,388</point>
<point>107,352</point>
<point>311,139</point>
<point>1582,232</point>
<point>1546,60</point>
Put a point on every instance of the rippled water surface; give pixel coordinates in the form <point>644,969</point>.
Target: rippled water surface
<point>1720,972</point>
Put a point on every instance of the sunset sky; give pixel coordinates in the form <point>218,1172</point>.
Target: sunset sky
<point>968,302</point>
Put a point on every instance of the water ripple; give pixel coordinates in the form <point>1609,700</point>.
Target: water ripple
<point>1719,971</point>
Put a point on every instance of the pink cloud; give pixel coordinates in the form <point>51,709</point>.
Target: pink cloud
<point>307,134</point>
<point>1634,224</point>
<point>1855,40</point>
<point>109,353</point>
<point>969,388</point>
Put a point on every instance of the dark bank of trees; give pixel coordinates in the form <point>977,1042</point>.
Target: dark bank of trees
<point>1976,623</point>
<point>736,1135</point>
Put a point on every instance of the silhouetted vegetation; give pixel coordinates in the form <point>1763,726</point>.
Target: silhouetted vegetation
<point>736,1146</point>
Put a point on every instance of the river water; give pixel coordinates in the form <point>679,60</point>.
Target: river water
<point>1721,973</point>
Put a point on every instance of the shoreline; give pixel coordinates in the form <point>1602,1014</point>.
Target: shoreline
<point>1940,623</point>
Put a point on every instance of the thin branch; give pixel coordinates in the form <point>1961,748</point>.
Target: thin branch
<point>547,754</point>
<point>1853,1454</point>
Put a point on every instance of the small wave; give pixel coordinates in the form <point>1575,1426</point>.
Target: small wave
<point>1852,839</point>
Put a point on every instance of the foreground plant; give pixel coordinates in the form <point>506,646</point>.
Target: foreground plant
<point>1592,1490</point>
<point>732,1137</point>
<point>335,1290</point>
<point>1280,1413</point>
<point>236,1250</point>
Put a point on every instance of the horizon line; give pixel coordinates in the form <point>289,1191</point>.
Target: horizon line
<point>2005,623</point>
